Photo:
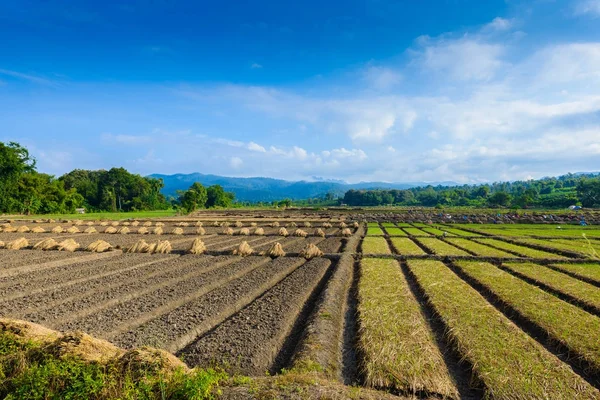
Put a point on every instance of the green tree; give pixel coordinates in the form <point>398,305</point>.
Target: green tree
<point>588,192</point>
<point>14,162</point>
<point>218,197</point>
<point>193,198</point>
<point>499,199</point>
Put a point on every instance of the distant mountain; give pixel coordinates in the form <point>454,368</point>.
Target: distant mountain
<point>268,189</point>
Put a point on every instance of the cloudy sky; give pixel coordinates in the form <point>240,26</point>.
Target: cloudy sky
<point>429,90</point>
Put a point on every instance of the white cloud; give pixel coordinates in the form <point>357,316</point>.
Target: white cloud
<point>382,78</point>
<point>235,162</point>
<point>256,147</point>
<point>588,7</point>
<point>127,139</point>
<point>499,24</point>
<point>256,66</point>
<point>28,77</point>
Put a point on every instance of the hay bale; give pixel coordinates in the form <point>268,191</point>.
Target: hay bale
<point>110,229</point>
<point>326,225</point>
<point>73,229</point>
<point>9,229</point>
<point>177,231</point>
<point>90,223</point>
<point>275,224</point>
<point>135,223</point>
<point>139,247</point>
<point>259,231</point>
<point>17,244</point>
<point>276,251</point>
<point>57,229</point>
<point>23,229</point>
<point>157,231</point>
<point>244,232</point>
<point>292,225</point>
<point>200,231</point>
<point>68,245</point>
<point>355,224</point>
<point>307,224</point>
<point>228,231</point>
<point>319,232</point>
<point>84,347</point>
<point>123,231</point>
<point>163,247</point>
<point>99,246</point>
<point>38,229</point>
<point>90,230</point>
<point>283,232</point>
<point>143,230</point>
<point>197,247</point>
<point>238,224</point>
<point>300,233</point>
<point>103,223</point>
<point>346,232</point>
<point>147,223</point>
<point>342,225</point>
<point>114,223</point>
<point>46,244</point>
<point>160,224</point>
<point>243,249</point>
<point>198,223</point>
<point>311,251</point>
<point>126,223</point>
<point>78,222</point>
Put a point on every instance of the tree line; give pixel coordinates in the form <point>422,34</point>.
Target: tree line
<point>561,192</point>
<point>24,190</point>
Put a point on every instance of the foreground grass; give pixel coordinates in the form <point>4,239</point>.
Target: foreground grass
<point>375,245</point>
<point>478,248</point>
<point>520,250</point>
<point>563,322</point>
<point>405,246</point>
<point>509,363</point>
<point>102,215</point>
<point>442,248</point>
<point>28,370</point>
<point>590,272</point>
<point>398,345</point>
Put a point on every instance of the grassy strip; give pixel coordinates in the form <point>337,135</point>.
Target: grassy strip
<point>435,231</point>
<point>590,248</point>
<point>590,272</point>
<point>478,248</point>
<point>403,225</point>
<point>442,248</point>
<point>395,232</point>
<point>579,247</point>
<point>375,245</point>
<point>416,232</point>
<point>398,346</point>
<point>522,250</point>
<point>564,323</point>
<point>509,363</point>
<point>406,247</point>
<point>582,292</point>
<point>29,370</point>
<point>388,224</point>
<point>374,231</point>
<point>457,232</point>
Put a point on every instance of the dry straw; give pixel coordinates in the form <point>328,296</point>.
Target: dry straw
<point>276,251</point>
<point>283,232</point>
<point>68,245</point>
<point>259,231</point>
<point>253,224</point>
<point>157,231</point>
<point>147,223</point>
<point>346,232</point>
<point>319,232</point>
<point>2,244</point>
<point>90,223</point>
<point>110,229</point>
<point>177,231</point>
<point>198,223</point>
<point>73,229</point>
<point>300,233</point>
<point>184,224</point>
<point>17,244</point>
<point>326,225</point>
<point>243,249</point>
<point>57,229</point>
<point>78,222</point>
<point>126,223</point>
<point>138,247</point>
<point>292,225</point>
<point>90,230</point>
<point>123,231</point>
<point>307,224</point>
<point>224,224</point>
<point>143,230</point>
<point>163,247</point>
<point>115,223</point>
<point>216,223</point>
<point>9,229</point>
<point>244,232</point>
<point>311,251</point>
<point>99,246</point>
<point>46,244</point>
<point>343,225</point>
<point>135,223</point>
<point>38,229</point>
<point>355,224</point>
<point>197,247</point>
<point>228,231</point>
<point>275,224</point>
<point>160,224</point>
<point>238,224</point>
<point>23,229</point>
<point>103,223</point>
<point>200,231</point>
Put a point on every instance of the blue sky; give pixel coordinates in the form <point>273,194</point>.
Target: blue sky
<point>462,90</point>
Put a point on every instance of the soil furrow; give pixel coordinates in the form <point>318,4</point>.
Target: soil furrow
<point>250,340</point>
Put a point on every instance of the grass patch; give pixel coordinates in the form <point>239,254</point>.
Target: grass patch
<point>564,323</point>
<point>586,271</point>
<point>509,363</point>
<point>478,248</point>
<point>374,231</point>
<point>398,346</point>
<point>457,232</point>
<point>435,231</point>
<point>442,248</point>
<point>406,247</point>
<point>395,232</point>
<point>416,232</point>
<point>375,245</point>
<point>520,250</point>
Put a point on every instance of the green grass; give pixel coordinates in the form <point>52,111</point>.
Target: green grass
<point>416,232</point>
<point>374,231</point>
<point>478,248</point>
<point>395,232</point>
<point>564,323</point>
<point>406,247</point>
<point>375,245</point>
<point>586,271</point>
<point>590,248</point>
<point>29,371</point>
<point>442,248</point>
<point>435,231</point>
<point>509,363</point>
<point>521,250</point>
<point>388,224</point>
<point>399,348</point>
<point>582,291</point>
<point>457,232</point>
<point>105,215</point>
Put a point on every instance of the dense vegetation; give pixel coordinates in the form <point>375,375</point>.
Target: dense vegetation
<point>558,192</point>
<point>26,191</point>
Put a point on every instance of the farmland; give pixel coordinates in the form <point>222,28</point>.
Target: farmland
<point>432,310</point>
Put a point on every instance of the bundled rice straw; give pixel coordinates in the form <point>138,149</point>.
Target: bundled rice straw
<point>311,251</point>
<point>163,247</point>
<point>183,224</point>
<point>228,231</point>
<point>253,224</point>
<point>346,232</point>
<point>110,229</point>
<point>17,244</point>
<point>103,223</point>
<point>198,223</point>
<point>200,231</point>
<point>126,223</point>
<point>99,246</point>
<point>243,249</point>
<point>143,230</point>
<point>38,229</point>
<point>292,225</point>
<point>275,224</point>
<point>147,223</point>
<point>319,232</point>
<point>307,224</point>
<point>73,229</point>
<point>283,232</point>
<point>177,231</point>
<point>90,223</point>
<point>123,231</point>
<point>57,229</point>
<point>46,244</point>
<point>114,223</point>
<point>355,224</point>
<point>244,232</point>
<point>135,223</point>
<point>78,222</point>
<point>68,245</point>
<point>2,244</point>
<point>300,233</point>
<point>160,224</point>
<point>326,225</point>
<point>276,251</point>
<point>157,231</point>
<point>23,229</point>
<point>197,247</point>
<point>216,223</point>
<point>238,224</point>
<point>259,231</point>
<point>91,229</point>
<point>139,247</point>
<point>342,225</point>
<point>224,224</point>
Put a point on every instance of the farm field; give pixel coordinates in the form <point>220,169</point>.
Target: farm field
<point>435,311</point>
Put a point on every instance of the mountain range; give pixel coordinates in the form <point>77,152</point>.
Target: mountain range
<point>269,189</point>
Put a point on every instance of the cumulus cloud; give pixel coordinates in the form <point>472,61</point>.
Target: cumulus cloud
<point>382,78</point>
<point>256,147</point>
